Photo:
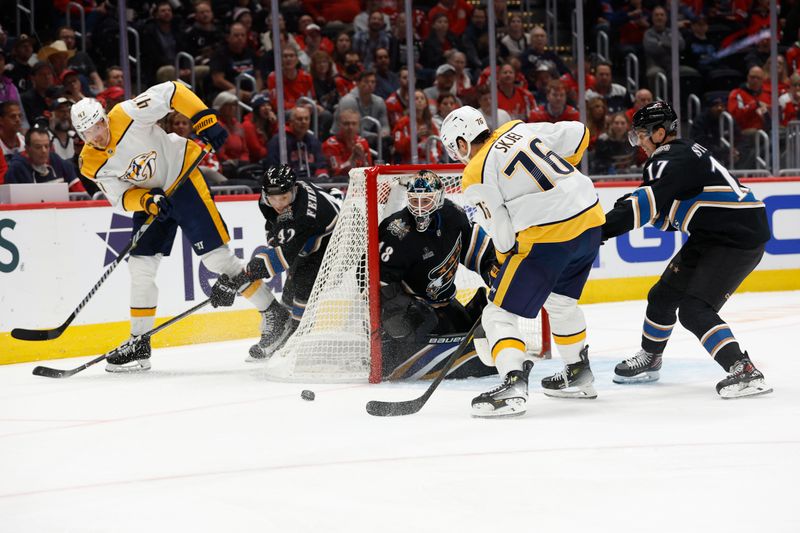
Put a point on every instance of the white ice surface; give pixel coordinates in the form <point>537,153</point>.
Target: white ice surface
<point>203,443</point>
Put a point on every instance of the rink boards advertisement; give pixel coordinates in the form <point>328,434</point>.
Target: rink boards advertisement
<point>51,257</point>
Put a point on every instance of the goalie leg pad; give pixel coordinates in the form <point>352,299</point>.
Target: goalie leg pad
<point>221,260</point>
<point>144,291</point>
<point>568,326</point>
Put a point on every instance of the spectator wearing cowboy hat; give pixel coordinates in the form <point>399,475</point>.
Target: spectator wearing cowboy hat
<point>80,61</point>
<point>57,54</point>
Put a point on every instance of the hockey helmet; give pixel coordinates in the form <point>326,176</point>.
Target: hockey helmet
<point>278,179</point>
<point>466,123</point>
<point>425,194</point>
<point>651,117</point>
<point>85,114</point>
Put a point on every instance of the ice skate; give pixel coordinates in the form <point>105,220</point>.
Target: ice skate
<point>275,326</point>
<point>575,381</point>
<point>641,368</point>
<point>133,356</point>
<point>744,380</point>
<point>508,399</point>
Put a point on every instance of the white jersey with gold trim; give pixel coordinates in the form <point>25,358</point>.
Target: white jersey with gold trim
<point>526,186</point>
<point>140,154</point>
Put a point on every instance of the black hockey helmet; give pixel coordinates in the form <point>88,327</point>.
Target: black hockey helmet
<point>278,179</point>
<point>652,116</point>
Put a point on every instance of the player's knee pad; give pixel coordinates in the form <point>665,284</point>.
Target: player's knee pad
<point>221,260</point>
<point>143,269</point>
<point>502,332</point>
<point>565,315</point>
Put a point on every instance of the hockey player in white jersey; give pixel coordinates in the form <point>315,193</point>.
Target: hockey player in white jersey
<point>137,165</point>
<point>544,218</point>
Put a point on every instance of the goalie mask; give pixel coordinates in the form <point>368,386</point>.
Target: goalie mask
<point>425,194</point>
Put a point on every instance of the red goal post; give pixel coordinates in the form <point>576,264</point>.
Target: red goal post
<point>338,339</point>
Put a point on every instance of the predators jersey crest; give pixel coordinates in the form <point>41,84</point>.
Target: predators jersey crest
<point>142,168</point>
<point>443,275</point>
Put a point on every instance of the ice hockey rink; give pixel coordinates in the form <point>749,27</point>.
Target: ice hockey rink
<point>204,443</point>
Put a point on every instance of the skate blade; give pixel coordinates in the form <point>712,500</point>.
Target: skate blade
<point>754,388</point>
<point>645,377</point>
<point>251,359</point>
<point>129,368</point>
<point>584,393</point>
<point>515,408</point>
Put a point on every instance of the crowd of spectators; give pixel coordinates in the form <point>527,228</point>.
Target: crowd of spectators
<point>344,68</point>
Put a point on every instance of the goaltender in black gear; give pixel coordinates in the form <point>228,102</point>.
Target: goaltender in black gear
<point>421,247</point>
<point>300,218</point>
<point>686,189</point>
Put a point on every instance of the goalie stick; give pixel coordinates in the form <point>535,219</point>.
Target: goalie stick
<point>56,373</point>
<point>49,334</point>
<point>409,407</point>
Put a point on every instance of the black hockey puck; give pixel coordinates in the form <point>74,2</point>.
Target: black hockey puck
<point>307,395</point>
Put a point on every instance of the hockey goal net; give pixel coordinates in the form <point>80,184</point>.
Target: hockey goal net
<point>338,338</point>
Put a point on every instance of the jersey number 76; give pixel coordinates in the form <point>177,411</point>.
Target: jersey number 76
<point>537,164</point>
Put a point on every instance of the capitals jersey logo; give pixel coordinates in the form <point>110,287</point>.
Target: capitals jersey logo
<point>443,275</point>
<point>142,168</point>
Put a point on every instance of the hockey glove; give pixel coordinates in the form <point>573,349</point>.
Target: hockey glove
<point>257,268</point>
<point>225,289</point>
<point>206,126</point>
<point>156,203</point>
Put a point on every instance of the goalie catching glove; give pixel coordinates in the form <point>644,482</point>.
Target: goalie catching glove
<point>156,203</point>
<point>224,291</point>
<point>206,126</point>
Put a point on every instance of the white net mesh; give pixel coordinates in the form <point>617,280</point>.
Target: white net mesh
<point>332,342</point>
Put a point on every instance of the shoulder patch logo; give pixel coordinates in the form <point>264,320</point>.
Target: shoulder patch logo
<point>398,228</point>
<point>142,168</point>
<point>661,149</point>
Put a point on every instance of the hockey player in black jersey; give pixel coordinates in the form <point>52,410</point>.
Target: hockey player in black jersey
<point>685,189</point>
<point>300,218</point>
<point>421,247</point>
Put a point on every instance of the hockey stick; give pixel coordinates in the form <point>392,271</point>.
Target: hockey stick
<point>55,373</point>
<point>49,334</point>
<point>409,407</point>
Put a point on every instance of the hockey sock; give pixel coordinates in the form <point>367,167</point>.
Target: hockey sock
<point>655,335</point>
<point>568,325</point>
<point>714,334</point>
<point>298,308</point>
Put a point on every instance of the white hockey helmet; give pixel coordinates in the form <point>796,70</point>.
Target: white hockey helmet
<point>466,123</point>
<point>85,113</point>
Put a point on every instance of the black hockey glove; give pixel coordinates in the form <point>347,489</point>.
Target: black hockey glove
<point>225,289</point>
<point>156,203</point>
<point>257,269</point>
<point>206,126</point>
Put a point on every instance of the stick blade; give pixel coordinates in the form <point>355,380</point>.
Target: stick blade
<point>379,408</point>
<point>36,334</point>
<point>50,372</point>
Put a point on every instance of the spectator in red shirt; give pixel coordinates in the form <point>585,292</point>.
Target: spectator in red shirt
<point>790,102</point>
<point>456,11</point>
<point>783,81</point>
<point>556,109</point>
<point>793,55</point>
<point>517,101</point>
<point>347,149</point>
<point>642,98</point>
<point>312,41</point>
<point>296,81</point>
<point>397,103</point>
<point>425,128</point>
<point>346,79</point>
<point>743,103</point>
<point>234,152</point>
<point>337,12</point>
<point>259,127</point>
